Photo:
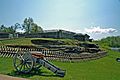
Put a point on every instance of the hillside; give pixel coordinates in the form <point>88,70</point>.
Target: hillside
<point>27,41</point>
<point>61,45</point>
<point>113,41</point>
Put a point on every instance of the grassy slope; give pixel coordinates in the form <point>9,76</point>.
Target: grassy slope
<point>102,69</point>
<point>27,41</point>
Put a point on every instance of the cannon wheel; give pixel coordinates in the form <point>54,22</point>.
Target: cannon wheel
<point>23,62</point>
<point>37,65</point>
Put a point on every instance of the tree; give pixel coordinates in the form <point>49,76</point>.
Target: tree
<point>30,27</point>
<point>36,29</point>
<point>2,28</point>
<point>27,25</point>
<point>113,41</point>
<point>13,29</point>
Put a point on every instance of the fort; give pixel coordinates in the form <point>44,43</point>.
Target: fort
<point>4,35</point>
<point>49,34</point>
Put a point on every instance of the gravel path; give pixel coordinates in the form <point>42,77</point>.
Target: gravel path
<point>5,77</point>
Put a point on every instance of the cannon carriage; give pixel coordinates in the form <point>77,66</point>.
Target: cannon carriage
<point>26,61</point>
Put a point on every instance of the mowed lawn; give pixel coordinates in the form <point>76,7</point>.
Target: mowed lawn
<point>106,68</point>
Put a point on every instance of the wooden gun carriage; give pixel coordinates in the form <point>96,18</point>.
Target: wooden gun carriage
<point>25,61</point>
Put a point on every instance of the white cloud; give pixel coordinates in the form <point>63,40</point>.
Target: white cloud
<point>99,30</point>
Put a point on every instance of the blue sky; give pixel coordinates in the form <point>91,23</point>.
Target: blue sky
<point>98,18</point>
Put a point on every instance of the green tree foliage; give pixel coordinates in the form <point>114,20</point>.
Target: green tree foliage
<point>15,27</point>
<point>36,29</point>
<point>27,25</point>
<point>2,28</point>
<point>5,29</point>
<point>113,41</point>
<point>11,29</point>
<point>30,27</point>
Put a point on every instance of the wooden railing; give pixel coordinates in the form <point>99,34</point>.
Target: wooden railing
<point>6,51</point>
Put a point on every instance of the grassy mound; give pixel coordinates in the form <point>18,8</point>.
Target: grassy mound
<point>27,41</point>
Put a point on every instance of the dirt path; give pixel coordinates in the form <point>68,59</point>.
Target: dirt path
<point>5,77</point>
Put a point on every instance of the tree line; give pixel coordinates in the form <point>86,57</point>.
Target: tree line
<point>29,26</point>
<point>113,41</point>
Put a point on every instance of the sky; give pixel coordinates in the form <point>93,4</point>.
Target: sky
<point>98,18</point>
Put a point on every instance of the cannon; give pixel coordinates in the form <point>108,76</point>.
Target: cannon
<point>26,61</point>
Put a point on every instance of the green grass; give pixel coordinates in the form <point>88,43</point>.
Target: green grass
<point>5,65</point>
<point>102,69</point>
<point>27,41</point>
<point>19,41</point>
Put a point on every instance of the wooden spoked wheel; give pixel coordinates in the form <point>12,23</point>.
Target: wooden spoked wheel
<point>23,62</point>
<point>37,65</point>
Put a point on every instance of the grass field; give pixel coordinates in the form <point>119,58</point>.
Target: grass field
<point>102,69</point>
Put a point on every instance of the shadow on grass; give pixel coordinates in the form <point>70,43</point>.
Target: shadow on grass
<point>32,73</point>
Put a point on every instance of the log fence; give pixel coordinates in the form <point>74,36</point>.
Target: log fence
<point>6,51</point>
